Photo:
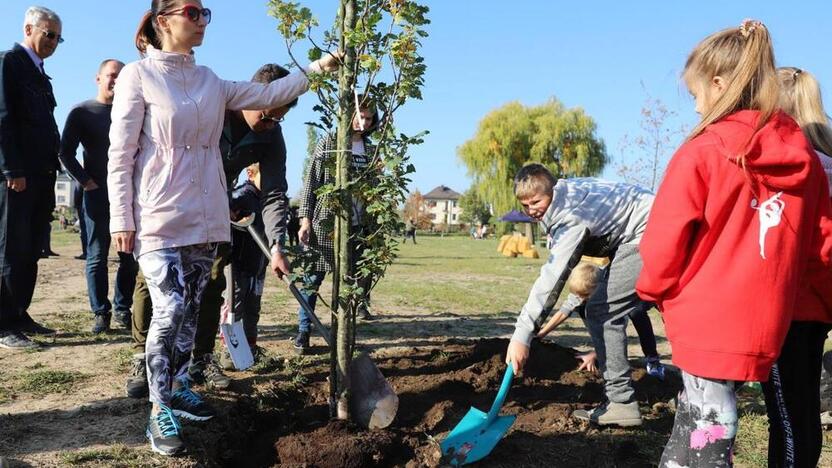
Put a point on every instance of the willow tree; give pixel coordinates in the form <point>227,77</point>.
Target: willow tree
<point>379,42</point>
<point>507,138</point>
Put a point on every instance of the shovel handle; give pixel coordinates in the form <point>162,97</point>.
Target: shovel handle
<point>501,395</point>
<point>292,288</point>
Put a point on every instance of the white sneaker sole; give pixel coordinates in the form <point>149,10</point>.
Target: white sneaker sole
<point>190,416</point>
<point>156,449</point>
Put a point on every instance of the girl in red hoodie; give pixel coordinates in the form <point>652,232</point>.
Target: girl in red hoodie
<point>729,238</point>
<point>793,388</point>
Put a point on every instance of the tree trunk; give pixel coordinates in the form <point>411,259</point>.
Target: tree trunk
<point>340,355</point>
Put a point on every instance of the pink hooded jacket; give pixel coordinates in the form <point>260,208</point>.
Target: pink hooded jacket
<point>165,176</point>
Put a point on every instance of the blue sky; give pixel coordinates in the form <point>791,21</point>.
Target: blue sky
<point>480,55</point>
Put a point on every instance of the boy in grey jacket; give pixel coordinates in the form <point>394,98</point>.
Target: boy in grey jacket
<point>601,219</point>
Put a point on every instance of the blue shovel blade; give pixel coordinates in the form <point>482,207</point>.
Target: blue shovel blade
<point>473,438</point>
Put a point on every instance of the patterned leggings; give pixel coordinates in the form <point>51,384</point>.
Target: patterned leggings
<point>176,278</point>
<point>705,425</point>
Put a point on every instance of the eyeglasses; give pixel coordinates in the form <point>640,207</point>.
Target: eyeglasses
<point>51,35</point>
<point>269,118</point>
<point>192,12</point>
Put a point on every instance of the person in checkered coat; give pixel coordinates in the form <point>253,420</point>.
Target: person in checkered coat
<point>317,220</point>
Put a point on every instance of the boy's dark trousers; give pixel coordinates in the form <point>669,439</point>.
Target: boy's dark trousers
<point>209,309</point>
<point>793,398</point>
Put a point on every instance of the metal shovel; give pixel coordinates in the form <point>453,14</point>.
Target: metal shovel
<point>373,402</point>
<point>478,433</point>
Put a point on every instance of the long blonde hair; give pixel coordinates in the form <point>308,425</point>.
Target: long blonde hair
<point>800,97</point>
<point>744,57</point>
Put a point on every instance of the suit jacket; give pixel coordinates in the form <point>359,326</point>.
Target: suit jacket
<point>29,138</point>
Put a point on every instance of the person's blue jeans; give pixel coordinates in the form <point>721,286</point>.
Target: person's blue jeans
<point>97,221</point>
<point>310,283</point>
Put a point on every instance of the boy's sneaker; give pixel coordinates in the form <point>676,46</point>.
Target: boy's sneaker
<point>124,318</point>
<point>163,432</point>
<point>101,324</point>
<point>16,340</point>
<point>612,414</point>
<point>656,369</point>
<point>190,405</point>
<point>137,382</point>
<point>205,370</point>
<point>301,343</point>
<point>225,360</point>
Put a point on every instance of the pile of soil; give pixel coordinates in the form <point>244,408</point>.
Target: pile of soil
<point>437,387</point>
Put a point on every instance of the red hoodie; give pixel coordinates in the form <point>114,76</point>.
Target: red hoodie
<point>723,264</point>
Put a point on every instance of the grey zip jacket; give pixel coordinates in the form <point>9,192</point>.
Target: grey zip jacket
<point>587,216</point>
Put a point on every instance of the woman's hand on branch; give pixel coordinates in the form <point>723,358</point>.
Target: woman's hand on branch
<point>329,62</point>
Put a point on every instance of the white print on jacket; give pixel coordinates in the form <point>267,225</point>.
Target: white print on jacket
<point>770,212</point>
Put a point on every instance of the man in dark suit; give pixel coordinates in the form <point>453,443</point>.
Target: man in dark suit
<point>29,143</point>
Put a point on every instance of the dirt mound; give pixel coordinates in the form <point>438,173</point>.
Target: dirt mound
<point>437,387</point>
<point>337,445</point>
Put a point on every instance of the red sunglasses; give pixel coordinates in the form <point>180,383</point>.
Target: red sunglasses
<point>192,12</point>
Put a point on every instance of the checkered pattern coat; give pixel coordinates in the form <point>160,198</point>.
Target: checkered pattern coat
<point>321,171</point>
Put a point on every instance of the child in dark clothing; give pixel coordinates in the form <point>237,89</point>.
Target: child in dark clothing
<point>248,264</point>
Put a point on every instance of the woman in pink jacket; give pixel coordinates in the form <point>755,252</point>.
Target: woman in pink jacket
<point>168,202</point>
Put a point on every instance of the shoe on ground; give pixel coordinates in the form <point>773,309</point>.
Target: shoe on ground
<point>188,404</point>
<point>80,257</point>
<point>258,353</point>
<point>365,315</point>
<point>656,369</point>
<point>101,323</point>
<point>124,318</point>
<point>205,370</point>
<point>301,343</point>
<point>225,360</point>
<point>163,431</point>
<point>31,327</point>
<point>612,414</point>
<point>16,340</point>
<point>137,381</point>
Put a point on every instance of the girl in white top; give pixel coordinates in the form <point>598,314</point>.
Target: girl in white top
<point>168,202</point>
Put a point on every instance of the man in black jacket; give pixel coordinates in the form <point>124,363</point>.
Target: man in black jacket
<point>29,143</point>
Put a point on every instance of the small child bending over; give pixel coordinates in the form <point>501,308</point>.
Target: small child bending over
<point>582,284</point>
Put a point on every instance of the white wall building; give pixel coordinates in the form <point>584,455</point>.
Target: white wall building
<point>63,191</point>
<point>442,205</point>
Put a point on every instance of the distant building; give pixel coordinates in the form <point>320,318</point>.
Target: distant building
<point>442,205</point>
<point>63,191</point>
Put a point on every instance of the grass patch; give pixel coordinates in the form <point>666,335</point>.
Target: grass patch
<point>5,395</point>
<point>118,455</point>
<point>44,382</point>
<point>752,441</point>
<point>123,358</point>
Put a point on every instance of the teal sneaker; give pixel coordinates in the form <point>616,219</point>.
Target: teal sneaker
<point>188,404</point>
<point>163,432</point>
